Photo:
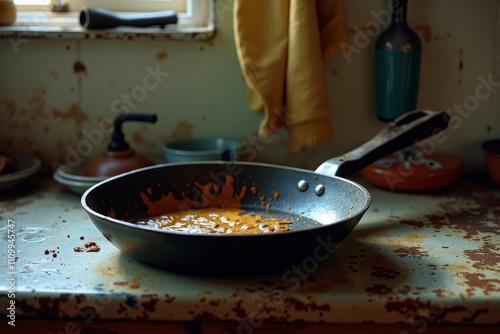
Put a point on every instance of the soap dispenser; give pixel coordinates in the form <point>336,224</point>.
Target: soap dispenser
<point>119,157</point>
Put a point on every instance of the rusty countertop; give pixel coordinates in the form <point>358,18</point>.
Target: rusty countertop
<point>431,257</point>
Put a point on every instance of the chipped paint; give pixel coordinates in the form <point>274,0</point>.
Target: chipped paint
<point>415,308</point>
<point>162,55</point>
<point>183,129</point>
<point>138,137</point>
<point>392,269</point>
<point>378,289</point>
<point>460,64</point>
<point>485,257</point>
<point>31,128</point>
<point>53,74</point>
<point>385,273</point>
<point>73,113</point>
<point>479,282</point>
<point>111,34</point>
<point>79,68</point>
<point>426,31</point>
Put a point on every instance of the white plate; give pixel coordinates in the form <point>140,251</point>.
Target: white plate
<point>78,187</point>
<point>75,180</point>
<point>77,174</point>
<point>28,165</point>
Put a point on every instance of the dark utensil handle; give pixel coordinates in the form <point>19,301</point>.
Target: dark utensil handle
<point>98,18</point>
<point>404,131</point>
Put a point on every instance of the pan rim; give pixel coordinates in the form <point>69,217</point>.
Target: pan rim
<point>108,219</point>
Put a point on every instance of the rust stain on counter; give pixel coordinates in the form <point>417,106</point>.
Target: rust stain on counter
<point>415,308</point>
<point>310,305</point>
<point>13,205</point>
<point>106,270</point>
<point>471,222</point>
<point>120,283</point>
<point>479,281</point>
<point>378,289</point>
<point>371,269</point>
<point>486,257</point>
<point>385,273</point>
<point>412,251</point>
<point>149,305</point>
<point>471,214</point>
<point>49,307</point>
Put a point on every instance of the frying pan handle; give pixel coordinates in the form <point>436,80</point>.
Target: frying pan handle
<point>404,131</point>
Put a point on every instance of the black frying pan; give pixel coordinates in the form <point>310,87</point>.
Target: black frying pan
<point>323,206</point>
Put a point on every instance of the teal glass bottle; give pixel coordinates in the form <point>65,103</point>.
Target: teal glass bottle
<point>397,66</point>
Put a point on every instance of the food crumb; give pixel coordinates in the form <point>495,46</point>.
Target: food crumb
<point>46,252</point>
<point>254,190</point>
<point>54,254</point>
<point>82,237</point>
<point>90,246</point>
<point>276,195</point>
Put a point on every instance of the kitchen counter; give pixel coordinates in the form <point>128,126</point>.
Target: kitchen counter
<point>415,262</point>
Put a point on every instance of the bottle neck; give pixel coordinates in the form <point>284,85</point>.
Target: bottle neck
<point>399,9</point>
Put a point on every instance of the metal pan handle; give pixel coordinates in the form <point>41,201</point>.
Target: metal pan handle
<point>404,131</point>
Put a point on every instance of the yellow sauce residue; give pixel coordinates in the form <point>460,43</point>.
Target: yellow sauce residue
<point>212,195</point>
<point>216,221</point>
<point>216,209</point>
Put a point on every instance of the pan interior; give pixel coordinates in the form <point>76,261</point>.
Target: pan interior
<point>297,222</point>
<point>217,221</point>
<point>267,190</point>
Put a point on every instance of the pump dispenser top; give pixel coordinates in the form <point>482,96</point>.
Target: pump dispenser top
<point>119,157</point>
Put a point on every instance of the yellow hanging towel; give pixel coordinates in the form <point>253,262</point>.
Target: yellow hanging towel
<point>281,47</point>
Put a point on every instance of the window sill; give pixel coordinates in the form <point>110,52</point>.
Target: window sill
<point>43,25</point>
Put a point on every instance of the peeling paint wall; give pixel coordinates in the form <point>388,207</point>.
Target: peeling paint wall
<point>58,97</point>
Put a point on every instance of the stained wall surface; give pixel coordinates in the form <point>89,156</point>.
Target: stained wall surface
<point>59,96</point>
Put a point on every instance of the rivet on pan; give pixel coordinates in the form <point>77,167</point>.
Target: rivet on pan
<point>302,185</point>
<point>319,190</point>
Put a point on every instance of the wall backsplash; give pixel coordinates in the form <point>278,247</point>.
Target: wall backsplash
<point>58,97</point>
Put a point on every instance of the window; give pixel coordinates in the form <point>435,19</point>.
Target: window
<point>35,18</point>
<point>115,5</point>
